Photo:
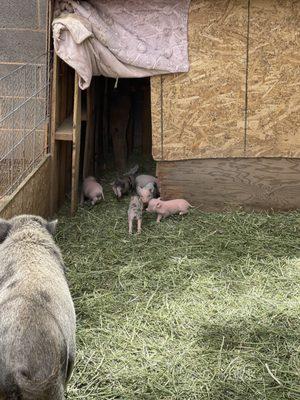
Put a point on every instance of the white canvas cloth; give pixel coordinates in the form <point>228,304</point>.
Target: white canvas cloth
<point>115,38</point>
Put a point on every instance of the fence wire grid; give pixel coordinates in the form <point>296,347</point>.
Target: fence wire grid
<point>24,115</point>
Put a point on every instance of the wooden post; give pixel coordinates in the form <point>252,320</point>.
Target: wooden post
<point>146,122</point>
<point>105,120</point>
<point>55,105</point>
<point>76,144</point>
<point>88,164</point>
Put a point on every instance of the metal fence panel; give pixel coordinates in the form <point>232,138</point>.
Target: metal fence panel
<point>24,100</point>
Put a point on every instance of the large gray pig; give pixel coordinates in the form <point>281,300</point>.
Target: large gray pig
<point>37,317</point>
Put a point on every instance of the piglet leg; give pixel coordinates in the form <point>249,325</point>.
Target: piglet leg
<point>139,226</point>
<point>130,226</point>
<point>159,217</point>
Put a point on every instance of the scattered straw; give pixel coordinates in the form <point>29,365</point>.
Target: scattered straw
<point>199,307</point>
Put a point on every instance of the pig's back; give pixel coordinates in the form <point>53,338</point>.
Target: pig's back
<point>177,204</point>
<point>37,319</point>
<point>143,180</point>
<point>91,188</point>
<point>35,275</point>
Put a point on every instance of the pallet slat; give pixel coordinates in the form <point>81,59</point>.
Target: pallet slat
<point>65,130</point>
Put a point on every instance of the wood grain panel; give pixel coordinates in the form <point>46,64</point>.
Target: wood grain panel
<point>76,145</point>
<point>225,184</point>
<point>5,211</point>
<point>203,110</point>
<point>33,195</point>
<point>156,109</point>
<point>274,79</point>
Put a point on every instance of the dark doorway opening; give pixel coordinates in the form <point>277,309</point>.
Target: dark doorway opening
<point>121,124</point>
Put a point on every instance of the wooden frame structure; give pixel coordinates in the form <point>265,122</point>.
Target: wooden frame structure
<point>67,115</point>
<point>65,128</point>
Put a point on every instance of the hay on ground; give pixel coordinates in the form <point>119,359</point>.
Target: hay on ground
<point>204,306</point>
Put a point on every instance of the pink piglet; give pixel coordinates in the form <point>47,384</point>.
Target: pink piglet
<point>166,208</point>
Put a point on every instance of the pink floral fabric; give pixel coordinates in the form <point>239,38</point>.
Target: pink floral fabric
<point>115,38</point>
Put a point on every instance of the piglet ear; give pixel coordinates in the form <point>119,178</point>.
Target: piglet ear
<point>158,205</point>
<point>51,226</point>
<point>4,229</point>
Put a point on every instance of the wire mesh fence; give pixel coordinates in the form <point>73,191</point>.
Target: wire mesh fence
<point>24,94</point>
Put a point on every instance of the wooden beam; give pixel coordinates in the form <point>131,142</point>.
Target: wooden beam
<point>55,104</point>
<point>65,130</point>
<point>89,133</point>
<point>227,184</point>
<point>76,145</point>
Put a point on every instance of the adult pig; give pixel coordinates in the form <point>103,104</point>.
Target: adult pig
<point>147,187</point>
<point>91,190</point>
<point>166,208</point>
<point>37,318</point>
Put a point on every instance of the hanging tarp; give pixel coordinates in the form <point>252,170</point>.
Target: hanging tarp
<point>122,39</point>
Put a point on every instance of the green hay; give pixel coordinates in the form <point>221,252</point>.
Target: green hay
<point>199,307</point>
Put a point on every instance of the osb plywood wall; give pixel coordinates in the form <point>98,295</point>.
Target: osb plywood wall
<point>274,79</point>
<point>33,196</point>
<point>241,95</point>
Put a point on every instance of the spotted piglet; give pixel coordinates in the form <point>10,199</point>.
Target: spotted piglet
<point>135,211</point>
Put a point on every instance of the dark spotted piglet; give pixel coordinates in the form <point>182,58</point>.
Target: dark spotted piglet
<point>135,212</point>
<point>37,317</point>
<point>125,184</point>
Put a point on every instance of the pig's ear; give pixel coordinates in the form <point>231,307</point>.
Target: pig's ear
<point>158,205</point>
<point>4,229</point>
<point>51,226</point>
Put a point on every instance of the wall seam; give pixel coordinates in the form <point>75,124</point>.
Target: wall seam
<point>247,79</point>
<point>161,118</point>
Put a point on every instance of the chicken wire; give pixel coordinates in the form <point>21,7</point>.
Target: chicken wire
<point>24,94</point>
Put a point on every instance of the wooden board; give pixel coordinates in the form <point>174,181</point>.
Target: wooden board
<point>65,130</point>
<point>33,195</point>
<point>225,184</point>
<point>55,104</point>
<point>62,104</point>
<point>274,79</point>
<point>89,112</point>
<point>203,110</point>
<point>76,145</point>
<point>146,121</point>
